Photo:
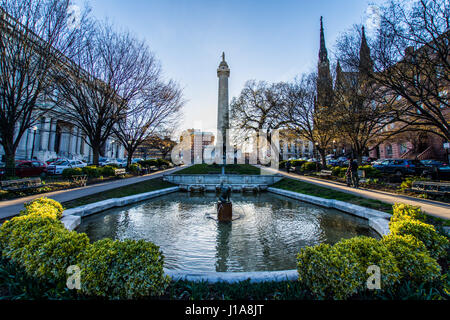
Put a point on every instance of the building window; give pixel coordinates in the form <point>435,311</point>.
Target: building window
<point>403,148</point>
<point>389,150</point>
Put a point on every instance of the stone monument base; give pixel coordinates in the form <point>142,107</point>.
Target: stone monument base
<point>225,211</point>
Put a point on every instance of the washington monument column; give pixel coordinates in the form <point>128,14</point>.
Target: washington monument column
<point>223,118</point>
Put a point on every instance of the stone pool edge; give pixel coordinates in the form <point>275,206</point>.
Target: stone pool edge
<point>377,220</point>
<point>72,217</point>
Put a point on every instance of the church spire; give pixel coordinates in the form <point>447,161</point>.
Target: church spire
<point>323,54</point>
<point>324,81</point>
<point>365,61</point>
<point>339,79</point>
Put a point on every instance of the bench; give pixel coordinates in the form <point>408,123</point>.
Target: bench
<point>325,173</point>
<point>437,188</point>
<point>21,184</point>
<point>79,180</point>
<point>120,172</point>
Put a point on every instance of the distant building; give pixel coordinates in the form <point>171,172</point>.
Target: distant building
<point>52,136</point>
<point>199,141</point>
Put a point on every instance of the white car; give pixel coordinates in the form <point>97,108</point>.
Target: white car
<point>59,166</point>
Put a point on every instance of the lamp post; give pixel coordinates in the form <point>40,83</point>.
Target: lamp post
<point>334,147</point>
<point>34,140</point>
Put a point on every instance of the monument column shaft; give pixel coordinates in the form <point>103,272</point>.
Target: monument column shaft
<point>223,111</point>
<point>223,118</point>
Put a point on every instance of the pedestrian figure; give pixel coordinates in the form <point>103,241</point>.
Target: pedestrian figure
<point>352,174</point>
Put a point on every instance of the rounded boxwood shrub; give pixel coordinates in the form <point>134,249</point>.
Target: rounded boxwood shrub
<point>135,168</point>
<point>92,171</point>
<point>413,260</point>
<point>123,270</point>
<point>370,251</point>
<point>19,233</point>
<point>403,212</point>
<point>108,171</point>
<point>310,166</point>
<point>50,260</point>
<point>43,206</point>
<point>69,173</point>
<point>433,241</point>
<point>328,272</point>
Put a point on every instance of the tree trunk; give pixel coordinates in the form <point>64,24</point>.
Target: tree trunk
<point>95,154</point>
<point>10,156</point>
<point>322,155</point>
<point>129,157</point>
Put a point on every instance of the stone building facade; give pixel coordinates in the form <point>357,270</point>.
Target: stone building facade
<point>57,138</point>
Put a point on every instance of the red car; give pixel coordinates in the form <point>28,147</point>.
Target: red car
<point>28,168</point>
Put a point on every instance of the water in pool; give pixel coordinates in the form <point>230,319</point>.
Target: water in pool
<point>268,235</point>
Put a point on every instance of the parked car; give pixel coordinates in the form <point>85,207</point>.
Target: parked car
<point>436,172</point>
<point>28,168</point>
<point>122,163</point>
<point>400,167</point>
<point>433,163</point>
<point>59,166</point>
<point>136,160</point>
<point>50,161</point>
<point>378,162</point>
<point>110,162</point>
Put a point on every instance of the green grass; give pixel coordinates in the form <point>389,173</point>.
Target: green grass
<point>141,187</point>
<point>215,169</point>
<point>322,192</point>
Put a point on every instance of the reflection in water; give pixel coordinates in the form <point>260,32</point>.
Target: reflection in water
<point>266,237</point>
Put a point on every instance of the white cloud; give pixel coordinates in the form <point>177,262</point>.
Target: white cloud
<point>372,18</point>
<point>73,17</point>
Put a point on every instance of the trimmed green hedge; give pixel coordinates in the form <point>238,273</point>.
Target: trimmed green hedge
<point>91,171</point>
<point>128,269</point>
<point>407,255</point>
<point>39,243</point>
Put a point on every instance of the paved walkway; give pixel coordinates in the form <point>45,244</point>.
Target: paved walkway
<point>11,208</point>
<point>434,208</point>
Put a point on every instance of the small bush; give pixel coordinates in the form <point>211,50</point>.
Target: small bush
<point>403,212</point>
<point>135,168</point>
<point>92,171</point>
<point>433,241</point>
<point>69,173</point>
<point>282,164</point>
<point>370,251</point>
<point>43,207</point>
<point>108,171</point>
<point>328,272</point>
<point>413,259</point>
<point>123,270</point>
<point>310,166</point>
<point>408,182</point>
<point>162,162</point>
<point>370,172</point>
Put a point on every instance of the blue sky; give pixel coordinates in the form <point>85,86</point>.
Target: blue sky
<point>263,40</point>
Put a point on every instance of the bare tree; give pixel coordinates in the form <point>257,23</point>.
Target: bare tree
<point>301,115</point>
<point>162,140</point>
<point>36,38</point>
<point>110,75</point>
<point>411,62</point>
<point>255,110</point>
<point>156,107</point>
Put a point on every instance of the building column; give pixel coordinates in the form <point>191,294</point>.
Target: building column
<point>73,141</point>
<point>45,135</point>
<point>52,135</point>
